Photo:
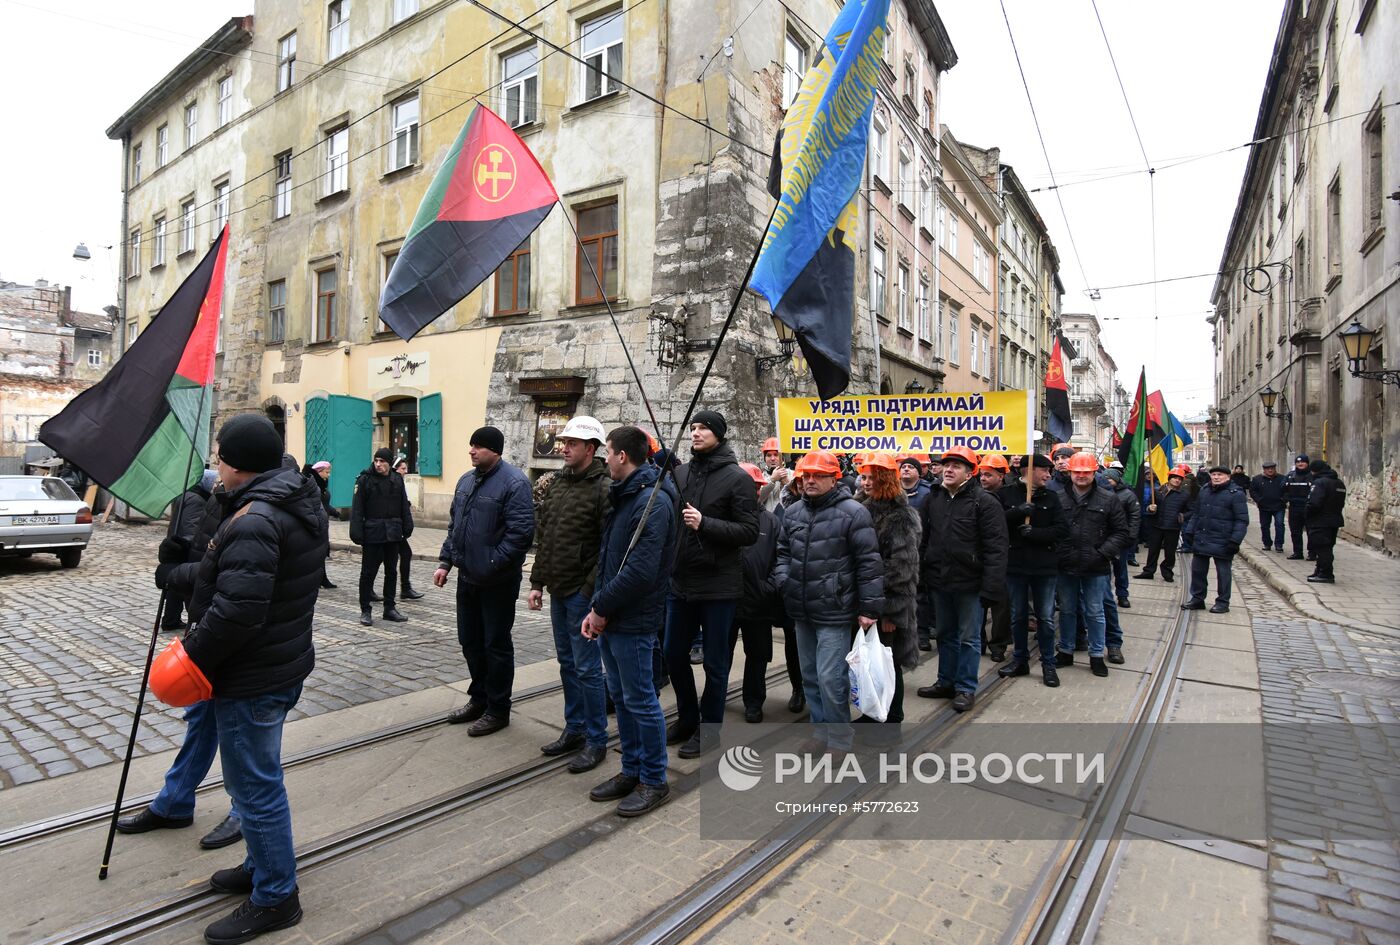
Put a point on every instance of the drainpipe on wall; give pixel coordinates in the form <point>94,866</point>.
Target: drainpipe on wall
<point>125,252</point>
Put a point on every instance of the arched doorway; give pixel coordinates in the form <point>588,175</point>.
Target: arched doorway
<point>278,416</point>
<point>401,417</point>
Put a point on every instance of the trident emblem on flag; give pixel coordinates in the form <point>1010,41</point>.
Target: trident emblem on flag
<point>494,166</point>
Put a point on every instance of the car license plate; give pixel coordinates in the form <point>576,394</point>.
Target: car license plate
<point>35,520</point>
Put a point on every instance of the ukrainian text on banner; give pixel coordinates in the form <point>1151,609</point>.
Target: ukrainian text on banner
<point>985,421</point>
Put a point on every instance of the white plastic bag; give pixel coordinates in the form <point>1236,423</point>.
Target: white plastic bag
<point>872,674</point>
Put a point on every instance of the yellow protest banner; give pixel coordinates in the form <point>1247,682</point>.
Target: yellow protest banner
<point>985,421</point>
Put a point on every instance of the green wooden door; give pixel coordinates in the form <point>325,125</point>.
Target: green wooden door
<point>351,436</point>
<point>318,430</point>
<point>430,435</point>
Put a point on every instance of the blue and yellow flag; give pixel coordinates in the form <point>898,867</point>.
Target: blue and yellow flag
<point>1180,438</point>
<point>806,268</point>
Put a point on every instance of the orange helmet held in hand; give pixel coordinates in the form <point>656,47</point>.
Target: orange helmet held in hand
<point>175,680</point>
<point>819,463</point>
<point>1083,462</point>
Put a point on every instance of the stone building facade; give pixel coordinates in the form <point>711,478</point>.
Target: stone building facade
<point>1312,248</point>
<point>1093,379</point>
<point>316,130</point>
<point>965,229</point>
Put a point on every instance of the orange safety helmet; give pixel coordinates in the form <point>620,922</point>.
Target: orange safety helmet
<point>819,463</point>
<point>770,445</point>
<point>995,461</point>
<point>1183,471</point>
<point>755,473</point>
<point>963,453</point>
<point>882,460</point>
<point>1083,462</point>
<point>175,680</point>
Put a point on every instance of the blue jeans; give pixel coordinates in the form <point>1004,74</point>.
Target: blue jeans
<point>1037,591</point>
<point>641,725</point>
<point>826,679</point>
<point>580,670</point>
<point>1112,629</point>
<point>958,630</point>
<point>1120,572</point>
<point>192,762</point>
<point>1081,602</point>
<point>683,618</point>
<point>1275,519</point>
<point>250,742</point>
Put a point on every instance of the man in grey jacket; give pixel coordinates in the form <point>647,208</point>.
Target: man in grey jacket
<point>831,577</point>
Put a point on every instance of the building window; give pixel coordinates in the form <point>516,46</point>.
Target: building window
<point>926,199</point>
<point>925,325</point>
<point>954,354</point>
<point>94,357</point>
<point>133,253</point>
<point>1334,229</point>
<point>942,216</point>
<point>953,234</point>
<point>282,186</point>
<point>879,147</point>
<point>972,353</point>
<point>158,242</point>
<point>337,172</point>
<point>597,231</point>
<point>187,226</point>
<point>403,144</point>
<point>910,83</point>
<point>877,279</point>
<point>905,321</point>
<point>986,358</point>
<point>904,181</point>
<point>225,99</point>
<point>938,329</point>
<point>136,164</point>
<point>794,67</point>
<point>131,332</point>
<point>286,61</point>
<point>926,116</point>
<point>337,28</point>
<point>277,311</point>
<point>220,206</point>
<point>602,54</point>
<point>513,282</point>
<point>1371,161</point>
<point>977,261</point>
<point>381,327</point>
<point>162,145</point>
<point>323,325</point>
<point>1330,52</point>
<point>403,9</point>
<point>191,125</point>
<point>521,95</point>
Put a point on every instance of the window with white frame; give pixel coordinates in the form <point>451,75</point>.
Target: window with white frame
<point>277,311</point>
<point>602,54</point>
<point>94,357</point>
<point>942,216</point>
<point>187,226</point>
<point>954,316</point>
<point>403,9</point>
<point>286,61</point>
<point>133,253</point>
<point>953,234</point>
<point>986,359</point>
<point>162,145</point>
<point>337,28</point>
<point>191,125</point>
<point>337,161</point>
<point>938,328</point>
<point>158,242</point>
<point>977,261</point>
<point>225,99</point>
<point>136,164</point>
<point>972,344</point>
<point>794,66</point>
<point>403,142</point>
<point>925,326</point>
<point>220,207</point>
<point>877,279</point>
<point>282,186</point>
<point>925,199</point>
<point>131,332</point>
<point>904,179</point>
<point>879,147</point>
<point>905,320</point>
<point>520,76</point>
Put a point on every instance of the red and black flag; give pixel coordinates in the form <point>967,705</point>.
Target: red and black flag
<point>1058,418</point>
<point>142,432</point>
<point>1132,452</point>
<point>488,196</point>
<point>1117,439</point>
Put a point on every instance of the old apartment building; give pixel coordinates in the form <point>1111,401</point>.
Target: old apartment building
<point>1313,249</point>
<point>1096,400</point>
<point>313,130</point>
<point>967,216</point>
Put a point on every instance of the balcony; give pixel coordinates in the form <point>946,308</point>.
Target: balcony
<point>1088,400</point>
<point>1080,364</point>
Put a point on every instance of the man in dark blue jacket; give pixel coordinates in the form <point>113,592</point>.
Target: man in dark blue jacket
<point>1297,486</point>
<point>628,602</point>
<point>491,529</point>
<point>1215,530</point>
<point>1266,489</point>
<point>1036,529</point>
<point>1165,518</point>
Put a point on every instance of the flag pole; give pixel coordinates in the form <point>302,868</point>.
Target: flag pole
<point>146,672</point>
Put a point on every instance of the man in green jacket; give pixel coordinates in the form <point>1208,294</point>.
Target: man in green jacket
<point>569,529</point>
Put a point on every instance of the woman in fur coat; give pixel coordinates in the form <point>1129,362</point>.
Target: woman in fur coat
<point>897,526</point>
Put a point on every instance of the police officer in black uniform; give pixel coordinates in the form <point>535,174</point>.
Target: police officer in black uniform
<point>1297,485</point>
<point>1325,504</point>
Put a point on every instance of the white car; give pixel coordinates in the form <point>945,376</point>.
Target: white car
<point>41,513</point>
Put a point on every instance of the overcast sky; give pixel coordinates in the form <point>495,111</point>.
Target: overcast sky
<point>1193,70</point>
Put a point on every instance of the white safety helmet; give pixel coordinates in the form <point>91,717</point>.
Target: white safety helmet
<point>584,428</point>
<point>1115,465</point>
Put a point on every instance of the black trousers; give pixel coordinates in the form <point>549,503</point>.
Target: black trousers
<point>998,634</point>
<point>794,665</point>
<point>405,557</point>
<point>485,617</point>
<point>1163,541</point>
<point>1200,569</point>
<point>372,555</point>
<point>1322,542</point>
<point>1297,526</point>
<point>758,653</point>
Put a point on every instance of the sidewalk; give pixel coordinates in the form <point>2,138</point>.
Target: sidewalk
<point>1363,597</point>
<point>426,542</point>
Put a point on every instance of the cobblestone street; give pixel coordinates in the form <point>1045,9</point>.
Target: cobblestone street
<point>75,643</point>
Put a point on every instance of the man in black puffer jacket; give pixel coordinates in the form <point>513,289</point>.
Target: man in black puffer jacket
<point>1326,502</point>
<point>719,517</point>
<point>1215,531</point>
<point>1267,492</point>
<point>1035,529</point>
<point>256,595</point>
<point>380,518</point>
<point>1098,533</point>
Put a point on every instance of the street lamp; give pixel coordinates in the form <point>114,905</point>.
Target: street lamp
<point>787,343</point>
<point>914,387</point>
<point>81,252</point>
<point>1268,397</point>
<point>1357,341</point>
